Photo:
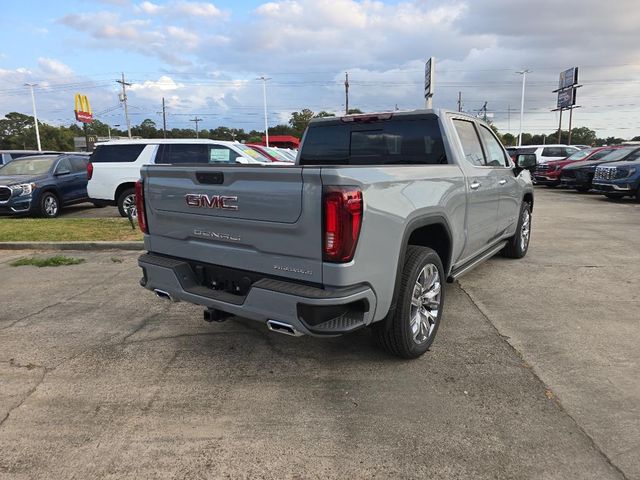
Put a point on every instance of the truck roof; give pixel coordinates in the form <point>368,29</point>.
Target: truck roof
<point>407,114</point>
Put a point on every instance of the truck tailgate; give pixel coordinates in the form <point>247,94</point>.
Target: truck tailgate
<point>261,219</point>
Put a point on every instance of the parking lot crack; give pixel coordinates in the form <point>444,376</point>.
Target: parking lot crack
<point>26,396</point>
<point>593,443</point>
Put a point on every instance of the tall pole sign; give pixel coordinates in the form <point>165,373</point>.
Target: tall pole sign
<point>429,75</point>
<point>567,86</point>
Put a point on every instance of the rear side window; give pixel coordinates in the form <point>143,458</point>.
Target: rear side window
<point>383,142</point>
<point>471,146</point>
<point>78,164</point>
<point>116,153</point>
<point>186,153</point>
<point>175,153</point>
<point>553,152</point>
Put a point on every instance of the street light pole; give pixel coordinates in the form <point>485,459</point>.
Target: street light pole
<point>264,98</point>
<point>35,113</point>
<point>524,80</point>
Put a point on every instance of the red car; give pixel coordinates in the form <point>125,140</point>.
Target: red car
<point>270,153</point>
<point>549,173</point>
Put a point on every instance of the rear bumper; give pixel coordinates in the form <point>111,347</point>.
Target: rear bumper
<point>309,310</point>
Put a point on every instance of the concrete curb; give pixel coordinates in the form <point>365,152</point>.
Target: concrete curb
<point>71,245</point>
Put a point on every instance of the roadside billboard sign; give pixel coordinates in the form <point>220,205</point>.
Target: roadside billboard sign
<point>568,78</point>
<point>566,97</point>
<point>82,108</point>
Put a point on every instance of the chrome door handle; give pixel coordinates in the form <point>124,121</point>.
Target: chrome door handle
<point>502,182</point>
<point>475,185</point>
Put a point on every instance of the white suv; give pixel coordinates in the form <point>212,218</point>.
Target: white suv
<point>114,167</point>
<point>544,153</point>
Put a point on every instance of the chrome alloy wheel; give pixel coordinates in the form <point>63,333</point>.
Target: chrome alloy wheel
<point>51,206</point>
<point>129,206</point>
<point>425,304</point>
<point>525,229</point>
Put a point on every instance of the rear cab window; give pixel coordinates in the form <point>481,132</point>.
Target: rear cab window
<point>116,153</point>
<point>374,140</point>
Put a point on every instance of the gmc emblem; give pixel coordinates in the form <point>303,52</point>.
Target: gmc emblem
<point>214,201</point>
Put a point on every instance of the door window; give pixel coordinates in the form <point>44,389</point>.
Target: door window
<point>63,166</point>
<point>183,153</point>
<point>495,153</point>
<point>471,146</point>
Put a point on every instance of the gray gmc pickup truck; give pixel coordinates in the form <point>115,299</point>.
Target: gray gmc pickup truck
<point>378,211</point>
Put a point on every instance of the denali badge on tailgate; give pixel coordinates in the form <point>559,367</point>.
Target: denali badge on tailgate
<point>214,201</point>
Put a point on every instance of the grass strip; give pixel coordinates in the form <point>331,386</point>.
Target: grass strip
<point>67,229</point>
<point>55,261</point>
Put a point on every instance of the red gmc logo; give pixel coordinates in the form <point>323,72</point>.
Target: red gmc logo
<point>214,201</point>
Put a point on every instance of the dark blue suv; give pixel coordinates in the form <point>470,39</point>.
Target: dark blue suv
<point>619,179</point>
<point>42,185</point>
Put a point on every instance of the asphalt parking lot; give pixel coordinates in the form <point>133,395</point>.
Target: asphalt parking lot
<point>88,210</point>
<point>534,373</point>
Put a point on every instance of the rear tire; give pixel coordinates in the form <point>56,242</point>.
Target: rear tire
<point>49,206</point>
<point>409,330</point>
<point>127,202</point>
<point>518,245</point>
<point>613,196</point>
<point>583,189</point>
<point>99,204</point>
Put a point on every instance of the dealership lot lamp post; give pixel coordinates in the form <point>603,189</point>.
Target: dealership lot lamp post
<point>35,114</point>
<point>264,97</point>
<point>524,80</point>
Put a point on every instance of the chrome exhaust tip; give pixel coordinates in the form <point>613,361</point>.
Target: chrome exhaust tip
<point>163,295</point>
<point>284,328</point>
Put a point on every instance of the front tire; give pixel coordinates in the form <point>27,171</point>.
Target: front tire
<point>127,203</point>
<point>583,189</point>
<point>518,245</point>
<point>411,327</point>
<point>49,206</point>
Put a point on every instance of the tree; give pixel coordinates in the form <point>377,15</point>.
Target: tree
<point>300,120</point>
<point>354,111</point>
<point>324,114</point>
<point>17,131</point>
<point>583,136</point>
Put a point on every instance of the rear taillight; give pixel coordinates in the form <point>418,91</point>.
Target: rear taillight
<point>141,212</point>
<point>342,216</point>
<point>89,170</point>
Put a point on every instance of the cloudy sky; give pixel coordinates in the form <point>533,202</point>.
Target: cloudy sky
<point>204,58</point>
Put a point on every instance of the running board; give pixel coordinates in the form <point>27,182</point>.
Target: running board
<point>457,273</point>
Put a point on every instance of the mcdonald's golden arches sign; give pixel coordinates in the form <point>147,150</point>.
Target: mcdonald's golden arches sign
<point>82,108</point>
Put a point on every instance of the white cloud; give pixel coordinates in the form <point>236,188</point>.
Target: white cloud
<point>197,9</point>
<point>149,8</point>
<point>54,67</point>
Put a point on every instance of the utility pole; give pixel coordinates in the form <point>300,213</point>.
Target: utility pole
<point>123,99</point>
<point>35,113</point>
<point>164,120</point>
<point>459,101</point>
<point>484,109</point>
<point>524,80</point>
<point>196,120</point>
<point>346,93</point>
<point>264,99</point>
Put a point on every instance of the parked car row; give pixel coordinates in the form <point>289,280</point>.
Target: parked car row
<point>613,171</point>
<point>41,183</point>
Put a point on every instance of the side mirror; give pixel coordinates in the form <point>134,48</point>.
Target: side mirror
<point>63,172</point>
<point>526,161</point>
